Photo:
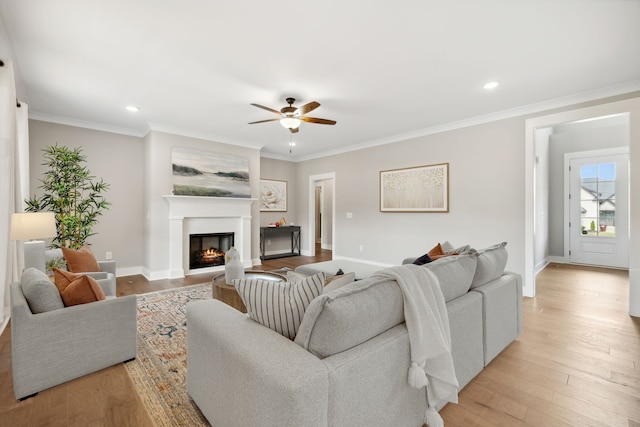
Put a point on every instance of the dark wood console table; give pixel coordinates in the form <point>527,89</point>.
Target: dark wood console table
<point>291,230</point>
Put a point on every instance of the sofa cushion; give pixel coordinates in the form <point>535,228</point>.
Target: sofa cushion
<point>338,281</point>
<point>279,305</point>
<point>455,274</point>
<point>339,320</point>
<point>491,264</point>
<point>39,291</point>
<point>80,260</point>
<point>77,288</point>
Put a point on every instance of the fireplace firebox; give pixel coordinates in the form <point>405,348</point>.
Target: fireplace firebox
<point>208,249</point>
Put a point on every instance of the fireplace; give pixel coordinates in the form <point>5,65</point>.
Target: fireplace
<point>199,215</point>
<point>208,249</point>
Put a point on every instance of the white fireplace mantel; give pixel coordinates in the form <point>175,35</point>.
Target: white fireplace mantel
<point>192,214</point>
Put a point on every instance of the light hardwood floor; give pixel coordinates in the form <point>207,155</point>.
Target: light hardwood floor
<point>577,363</point>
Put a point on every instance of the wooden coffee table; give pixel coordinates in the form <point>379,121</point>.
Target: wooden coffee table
<point>227,293</point>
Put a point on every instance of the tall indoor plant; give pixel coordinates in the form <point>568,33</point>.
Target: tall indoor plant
<point>72,194</point>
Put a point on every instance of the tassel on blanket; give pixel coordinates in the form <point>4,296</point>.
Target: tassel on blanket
<point>417,376</point>
<point>432,418</point>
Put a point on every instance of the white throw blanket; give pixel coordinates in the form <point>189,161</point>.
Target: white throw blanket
<point>427,322</point>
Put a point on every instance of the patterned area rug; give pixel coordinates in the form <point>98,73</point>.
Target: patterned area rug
<point>160,370</point>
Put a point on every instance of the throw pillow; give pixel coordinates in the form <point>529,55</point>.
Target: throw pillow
<point>437,252</point>
<point>80,260</point>
<point>39,291</point>
<point>279,305</point>
<point>339,281</point>
<point>77,288</point>
<point>292,276</point>
<point>424,259</point>
<point>449,249</point>
<point>491,264</point>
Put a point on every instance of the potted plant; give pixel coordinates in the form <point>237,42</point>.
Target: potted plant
<point>72,194</point>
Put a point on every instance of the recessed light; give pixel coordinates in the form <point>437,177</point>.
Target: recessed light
<point>132,108</point>
<point>491,85</point>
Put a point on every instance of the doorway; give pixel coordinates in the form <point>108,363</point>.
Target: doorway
<point>535,138</point>
<point>597,212</point>
<point>325,231</point>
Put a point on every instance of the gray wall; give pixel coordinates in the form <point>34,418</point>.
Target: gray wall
<point>119,160</point>
<point>486,183</point>
<point>280,170</point>
<point>573,139</point>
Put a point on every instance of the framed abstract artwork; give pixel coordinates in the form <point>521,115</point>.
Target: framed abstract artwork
<point>415,189</point>
<point>273,195</point>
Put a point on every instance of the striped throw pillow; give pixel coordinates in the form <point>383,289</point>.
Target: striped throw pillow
<point>279,305</point>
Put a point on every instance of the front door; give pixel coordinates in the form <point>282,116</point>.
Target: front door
<point>599,210</point>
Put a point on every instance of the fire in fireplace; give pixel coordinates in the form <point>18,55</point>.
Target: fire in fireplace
<point>208,249</point>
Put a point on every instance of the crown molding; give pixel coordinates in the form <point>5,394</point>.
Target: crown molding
<point>68,121</point>
<point>488,118</point>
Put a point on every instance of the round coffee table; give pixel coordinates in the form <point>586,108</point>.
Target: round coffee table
<point>227,293</point>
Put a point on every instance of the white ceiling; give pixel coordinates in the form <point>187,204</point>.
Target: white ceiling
<point>383,70</point>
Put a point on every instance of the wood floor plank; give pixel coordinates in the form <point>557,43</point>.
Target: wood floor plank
<point>577,363</point>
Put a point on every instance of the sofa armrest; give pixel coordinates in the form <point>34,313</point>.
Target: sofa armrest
<point>242,373</point>
<point>108,266</point>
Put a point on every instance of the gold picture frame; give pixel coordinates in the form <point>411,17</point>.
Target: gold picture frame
<point>415,189</point>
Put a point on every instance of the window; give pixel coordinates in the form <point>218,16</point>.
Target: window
<point>598,199</point>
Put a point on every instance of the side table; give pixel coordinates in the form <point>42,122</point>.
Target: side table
<point>228,294</point>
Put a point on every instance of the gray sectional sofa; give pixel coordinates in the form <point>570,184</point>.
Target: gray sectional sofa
<point>348,363</point>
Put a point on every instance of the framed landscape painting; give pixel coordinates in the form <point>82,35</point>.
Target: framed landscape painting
<point>273,195</point>
<point>415,189</point>
<point>201,173</point>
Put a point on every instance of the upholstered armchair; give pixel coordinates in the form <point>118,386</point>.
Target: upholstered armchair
<point>52,344</point>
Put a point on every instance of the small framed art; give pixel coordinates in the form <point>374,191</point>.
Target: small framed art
<point>273,195</point>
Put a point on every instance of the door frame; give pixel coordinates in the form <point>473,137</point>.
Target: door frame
<point>311,229</point>
<point>567,182</point>
<point>630,106</point>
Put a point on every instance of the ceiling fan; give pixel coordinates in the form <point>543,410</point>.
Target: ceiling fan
<point>290,117</point>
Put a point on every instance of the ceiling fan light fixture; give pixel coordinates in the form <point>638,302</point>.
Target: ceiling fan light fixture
<point>290,122</point>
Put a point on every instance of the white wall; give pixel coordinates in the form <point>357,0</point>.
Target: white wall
<point>119,160</point>
<point>158,183</point>
<point>541,172</point>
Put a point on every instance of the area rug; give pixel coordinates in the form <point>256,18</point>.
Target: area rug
<point>159,371</point>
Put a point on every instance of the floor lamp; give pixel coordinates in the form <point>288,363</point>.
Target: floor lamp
<point>30,226</point>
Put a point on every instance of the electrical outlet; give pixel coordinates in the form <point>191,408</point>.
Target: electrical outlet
<point>108,255</point>
<point>349,215</point>
<point>268,242</point>
<point>361,248</point>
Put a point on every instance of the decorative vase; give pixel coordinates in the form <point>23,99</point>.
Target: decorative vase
<point>233,268</point>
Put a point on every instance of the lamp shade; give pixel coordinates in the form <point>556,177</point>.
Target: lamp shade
<point>290,122</point>
<point>32,225</point>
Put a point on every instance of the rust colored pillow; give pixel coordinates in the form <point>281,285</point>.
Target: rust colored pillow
<point>77,288</point>
<point>436,251</point>
<point>80,260</point>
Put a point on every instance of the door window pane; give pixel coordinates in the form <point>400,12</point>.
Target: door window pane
<point>598,200</point>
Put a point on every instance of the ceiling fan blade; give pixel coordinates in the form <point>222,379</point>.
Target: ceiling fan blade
<point>307,108</point>
<point>294,130</point>
<point>266,108</point>
<point>316,120</point>
<point>264,121</point>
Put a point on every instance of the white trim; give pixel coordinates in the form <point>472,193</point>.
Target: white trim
<point>567,182</point>
<point>68,121</point>
<point>311,231</point>
<point>529,285</point>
